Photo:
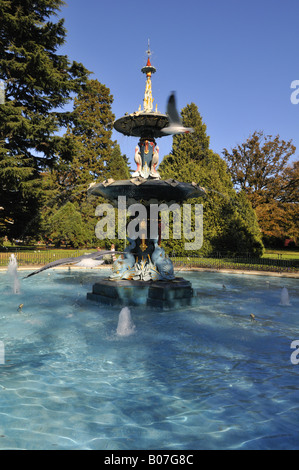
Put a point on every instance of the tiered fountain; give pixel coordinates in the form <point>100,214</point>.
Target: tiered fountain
<point>144,275</point>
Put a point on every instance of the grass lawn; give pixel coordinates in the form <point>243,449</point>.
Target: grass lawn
<point>281,254</point>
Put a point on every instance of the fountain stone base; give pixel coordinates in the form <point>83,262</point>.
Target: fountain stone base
<point>154,294</point>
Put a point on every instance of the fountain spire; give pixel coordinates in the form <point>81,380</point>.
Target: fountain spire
<point>148,69</point>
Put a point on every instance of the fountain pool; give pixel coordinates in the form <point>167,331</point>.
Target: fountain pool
<point>205,377</point>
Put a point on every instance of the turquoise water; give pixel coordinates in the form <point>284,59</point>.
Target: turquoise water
<point>207,377</point>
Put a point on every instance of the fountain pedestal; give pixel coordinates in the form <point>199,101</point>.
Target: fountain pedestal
<point>163,295</point>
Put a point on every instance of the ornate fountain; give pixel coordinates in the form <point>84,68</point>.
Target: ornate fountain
<point>144,275</point>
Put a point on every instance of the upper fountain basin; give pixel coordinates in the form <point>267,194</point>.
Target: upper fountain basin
<point>142,124</point>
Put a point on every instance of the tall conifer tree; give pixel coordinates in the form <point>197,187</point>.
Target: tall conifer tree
<point>117,166</point>
<point>92,130</point>
<point>38,83</point>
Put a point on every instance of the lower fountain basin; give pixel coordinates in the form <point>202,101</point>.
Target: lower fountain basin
<point>150,190</point>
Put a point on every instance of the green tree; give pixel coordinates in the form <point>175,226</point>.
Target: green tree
<point>38,83</point>
<point>228,224</point>
<point>87,144</point>
<point>92,156</point>
<point>187,148</point>
<point>91,132</point>
<point>117,166</point>
<point>66,227</point>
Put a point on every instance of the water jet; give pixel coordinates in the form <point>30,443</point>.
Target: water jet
<point>125,325</point>
<point>284,297</point>
<point>12,271</point>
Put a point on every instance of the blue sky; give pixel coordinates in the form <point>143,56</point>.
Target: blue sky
<point>234,59</point>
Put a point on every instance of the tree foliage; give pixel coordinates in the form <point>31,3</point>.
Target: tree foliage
<point>91,131</point>
<point>38,83</point>
<point>92,156</point>
<point>66,227</point>
<point>260,168</point>
<point>257,166</point>
<point>290,188</point>
<point>86,148</point>
<point>118,165</point>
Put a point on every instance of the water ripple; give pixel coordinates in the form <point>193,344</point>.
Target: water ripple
<point>207,377</point>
